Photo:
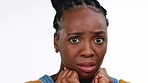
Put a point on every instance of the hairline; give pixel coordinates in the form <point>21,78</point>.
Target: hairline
<point>76,9</point>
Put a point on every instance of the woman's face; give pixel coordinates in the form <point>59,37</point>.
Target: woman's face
<point>83,41</point>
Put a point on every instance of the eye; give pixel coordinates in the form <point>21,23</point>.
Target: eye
<point>74,40</point>
<point>99,40</point>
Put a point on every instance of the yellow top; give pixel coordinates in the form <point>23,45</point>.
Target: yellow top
<point>34,81</point>
<point>122,81</point>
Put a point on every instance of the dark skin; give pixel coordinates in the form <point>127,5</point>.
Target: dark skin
<point>82,43</point>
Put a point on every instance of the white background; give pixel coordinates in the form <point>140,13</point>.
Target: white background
<point>26,40</point>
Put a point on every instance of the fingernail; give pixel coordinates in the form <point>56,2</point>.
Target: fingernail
<point>96,80</point>
<point>92,81</point>
<point>65,68</point>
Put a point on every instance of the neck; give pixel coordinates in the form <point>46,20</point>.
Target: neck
<point>88,80</point>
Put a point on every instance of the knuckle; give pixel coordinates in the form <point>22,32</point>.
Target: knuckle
<point>69,79</point>
<point>63,81</point>
<point>109,81</point>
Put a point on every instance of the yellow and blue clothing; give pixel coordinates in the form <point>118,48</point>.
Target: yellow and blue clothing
<point>48,79</point>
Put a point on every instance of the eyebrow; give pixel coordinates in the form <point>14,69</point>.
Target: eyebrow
<point>75,33</point>
<point>98,32</point>
<point>81,33</point>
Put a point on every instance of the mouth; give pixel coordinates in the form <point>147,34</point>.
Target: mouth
<point>87,67</point>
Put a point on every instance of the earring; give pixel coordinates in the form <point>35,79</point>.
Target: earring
<point>56,50</point>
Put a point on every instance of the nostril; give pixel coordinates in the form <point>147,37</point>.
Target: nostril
<point>87,56</point>
<point>87,53</point>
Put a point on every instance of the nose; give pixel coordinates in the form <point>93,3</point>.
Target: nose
<point>87,50</point>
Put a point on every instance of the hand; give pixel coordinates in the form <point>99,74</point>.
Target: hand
<point>102,77</point>
<point>67,76</point>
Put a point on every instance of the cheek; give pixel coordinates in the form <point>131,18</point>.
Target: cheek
<point>101,53</point>
<point>66,49</point>
<point>67,54</point>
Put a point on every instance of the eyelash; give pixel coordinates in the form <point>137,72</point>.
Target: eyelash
<point>100,41</point>
<point>75,40</point>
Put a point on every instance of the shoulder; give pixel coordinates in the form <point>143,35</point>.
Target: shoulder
<point>122,81</point>
<point>37,81</point>
<point>44,79</point>
<point>114,80</point>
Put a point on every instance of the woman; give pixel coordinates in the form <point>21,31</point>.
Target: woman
<point>81,40</point>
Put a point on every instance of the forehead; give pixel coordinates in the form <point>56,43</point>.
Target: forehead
<point>83,19</point>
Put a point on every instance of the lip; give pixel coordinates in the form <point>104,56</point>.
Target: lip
<point>87,67</point>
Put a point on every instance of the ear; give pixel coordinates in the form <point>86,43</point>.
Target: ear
<point>56,40</point>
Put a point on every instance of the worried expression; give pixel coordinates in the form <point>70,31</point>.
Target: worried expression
<point>82,41</point>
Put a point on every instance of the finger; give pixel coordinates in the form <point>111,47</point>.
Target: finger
<point>65,73</point>
<point>61,72</point>
<point>103,70</point>
<point>96,74</point>
<point>93,81</point>
<point>102,76</point>
<point>62,78</point>
<point>65,68</point>
<point>75,75</point>
<point>68,73</point>
<point>96,78</point>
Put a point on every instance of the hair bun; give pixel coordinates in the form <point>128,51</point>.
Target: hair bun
<point>57,4</point>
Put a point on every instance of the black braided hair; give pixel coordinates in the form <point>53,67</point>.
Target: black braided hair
<point>60,5</point>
